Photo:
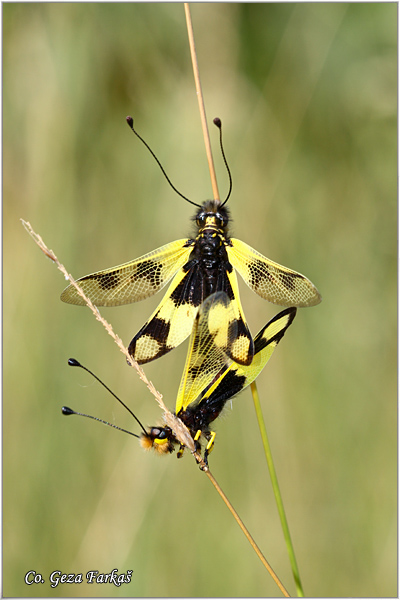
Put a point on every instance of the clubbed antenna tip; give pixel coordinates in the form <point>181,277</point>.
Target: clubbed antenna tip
<point>74,363</point>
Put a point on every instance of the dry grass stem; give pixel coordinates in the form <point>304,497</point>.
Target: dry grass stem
<point>249,537</point>
<point>201,102</point>
<point>180,430</point>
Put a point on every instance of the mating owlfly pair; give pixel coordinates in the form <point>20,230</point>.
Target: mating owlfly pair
<point>199,267</point>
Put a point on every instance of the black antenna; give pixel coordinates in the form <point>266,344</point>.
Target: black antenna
<point>74,363</point>
<point>129,120</point>
<point>68,411</point>
<point>218,123</point>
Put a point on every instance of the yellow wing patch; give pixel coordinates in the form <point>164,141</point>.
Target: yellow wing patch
<point>271,281</point>
<point>213,332</point>
<point>133,281</point>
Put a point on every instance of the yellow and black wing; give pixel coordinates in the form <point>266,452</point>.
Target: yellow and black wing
<point>214,330</point>
<point>271,281</point>
<point>234,378</point>
<point>172,321</point>
<point>132,281</point>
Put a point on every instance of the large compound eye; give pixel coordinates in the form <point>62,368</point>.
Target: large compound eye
<point>161,434</point>
<point>219,220</point>
<point>158,433</point>
<point>201,219</point>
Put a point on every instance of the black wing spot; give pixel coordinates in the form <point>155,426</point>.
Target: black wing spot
<point>233,329</point>
<point>158,329</point>
<point>150,270</point>
<point>262,340</point>
<point>195,370</point>
<point>258,272</point>
<point>108,281</point>
<point>288,281</point>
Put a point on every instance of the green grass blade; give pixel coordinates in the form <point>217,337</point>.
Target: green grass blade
<point>275,486</point>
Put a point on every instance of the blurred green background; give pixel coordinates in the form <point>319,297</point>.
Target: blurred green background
<point>307,96</point>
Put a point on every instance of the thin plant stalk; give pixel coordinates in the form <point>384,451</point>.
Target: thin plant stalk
<point>277,493</point>
<point>249,537</point>
<point>200,99</point>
